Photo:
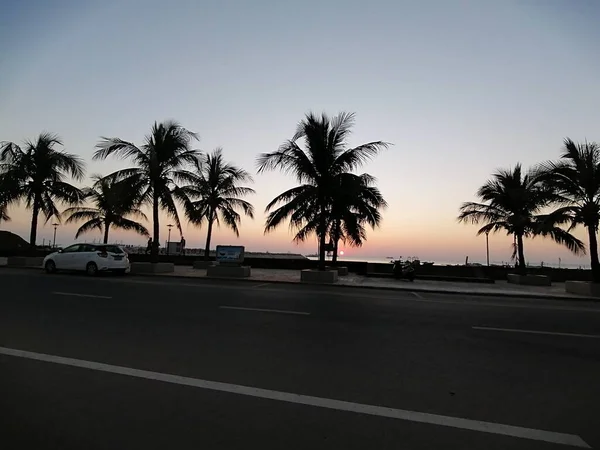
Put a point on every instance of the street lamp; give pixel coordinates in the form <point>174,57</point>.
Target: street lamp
<point>169,237</point>
<point>487,246</point>
<point>55,225</point>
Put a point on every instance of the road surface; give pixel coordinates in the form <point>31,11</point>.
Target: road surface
<point>156,363</point>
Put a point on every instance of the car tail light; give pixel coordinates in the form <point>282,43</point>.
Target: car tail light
<point>103,254</point>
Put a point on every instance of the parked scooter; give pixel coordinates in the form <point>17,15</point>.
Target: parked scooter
<point>403,269</point>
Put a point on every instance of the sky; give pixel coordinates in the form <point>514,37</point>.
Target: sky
<point>461,88</point>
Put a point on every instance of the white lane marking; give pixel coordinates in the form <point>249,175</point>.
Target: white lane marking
<point>553,333</point>
<point>419,296</point>
<point>280,311</point>
<point>320,402</point>
<point>73,294</point>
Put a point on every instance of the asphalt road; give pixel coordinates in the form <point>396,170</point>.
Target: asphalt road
<point>135,362</point>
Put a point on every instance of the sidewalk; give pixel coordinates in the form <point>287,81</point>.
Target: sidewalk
<point>499,289</point>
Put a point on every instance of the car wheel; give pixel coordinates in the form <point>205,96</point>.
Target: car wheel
<point>91,269</point>
<point>50,266</point>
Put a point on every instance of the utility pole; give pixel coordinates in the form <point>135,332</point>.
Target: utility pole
<point>487,246</point>
<point>55,225</point>
<point>169,237</point>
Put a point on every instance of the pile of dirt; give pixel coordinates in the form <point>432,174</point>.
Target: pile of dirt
<point>10,242</point>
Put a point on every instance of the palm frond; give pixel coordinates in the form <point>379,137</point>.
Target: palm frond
<point>90,225</point>
<point>130,225</point>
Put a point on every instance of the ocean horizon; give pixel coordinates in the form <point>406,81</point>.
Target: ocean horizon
<point>384,260</point>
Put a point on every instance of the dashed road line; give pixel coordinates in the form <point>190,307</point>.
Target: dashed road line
<point>552,333</point>
<point>278,311</point>
<point>73,294</point>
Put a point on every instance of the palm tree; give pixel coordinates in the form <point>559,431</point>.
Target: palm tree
<point>575,178</point>
<point>161,162</point>
<point>317,168</point>
<point>357,204</point>
<point>513,203</point>
<point>215,195</point>
<point>112,202</point>
<point>37,174</point>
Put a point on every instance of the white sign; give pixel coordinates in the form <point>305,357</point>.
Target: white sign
<point>232,254</point>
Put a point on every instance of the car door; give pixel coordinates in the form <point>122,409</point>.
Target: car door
<point>65,259</point>
<point>84,255</point>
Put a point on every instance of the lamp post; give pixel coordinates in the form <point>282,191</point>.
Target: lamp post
<point>169,237</point>
<point>55,225</point>
<point>487,246</point>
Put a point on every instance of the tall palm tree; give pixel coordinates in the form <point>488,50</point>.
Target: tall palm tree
<point>37,173</point>
<point>112,202</point>
<point>317,167</point>
<point>161,162</point>
<point>357,204</point>
<point>575,178</point>
<point>215,195</point>
<point>513,203</point>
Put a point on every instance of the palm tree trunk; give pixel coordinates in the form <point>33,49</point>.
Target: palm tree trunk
<point>522,266</point>
<point>594,254</point>
<point>322,240</point>
<point>155,220</point>
<point>106,228</point>
<point>336,240</point>
<point>208,236</point>
<point>34,222</point>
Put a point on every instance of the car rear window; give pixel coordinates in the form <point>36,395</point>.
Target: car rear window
<point>111,248</point>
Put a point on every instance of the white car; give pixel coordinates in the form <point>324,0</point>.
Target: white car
<point>91,258</point>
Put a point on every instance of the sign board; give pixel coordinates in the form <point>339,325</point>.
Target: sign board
<point>230,254</point>
<point>174,248</point>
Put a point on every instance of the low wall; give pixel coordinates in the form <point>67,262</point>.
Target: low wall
<point>362,268</point>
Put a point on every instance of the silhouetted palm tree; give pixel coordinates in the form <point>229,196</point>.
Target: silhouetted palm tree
<point>317,168</point>
<point>513,203</point>
<point>36,173</point>
<point>575,178</point>
<point>161,162</point>
<point>357,204</point>
<point>112,201</point>
<point>215,195</point>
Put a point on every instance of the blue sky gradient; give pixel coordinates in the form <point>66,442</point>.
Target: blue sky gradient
<point>460,87</point>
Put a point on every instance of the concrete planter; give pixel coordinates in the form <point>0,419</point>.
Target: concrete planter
<point>583,288</point>
<point>24,261</point>
<point>146,267</point>
<point>225,271</point>
<point>529,280</point>
<point>341,270</point>
<point>3,261</point>
<point>319,276</point>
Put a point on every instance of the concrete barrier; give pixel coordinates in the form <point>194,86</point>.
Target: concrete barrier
<point>3,261</point>
<point>583,288</point>
<point>529,280</point>
<point>146,267</point>
<point>25,261</point>
<point>319,276</point>
<point>341,270</point>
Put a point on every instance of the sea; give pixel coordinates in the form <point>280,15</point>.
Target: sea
<point>384,260</point>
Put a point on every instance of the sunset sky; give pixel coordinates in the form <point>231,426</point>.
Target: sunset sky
<point>460,88</point>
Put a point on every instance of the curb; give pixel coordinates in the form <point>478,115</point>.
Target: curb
<point>384,288</point>
<point>524,295</point>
